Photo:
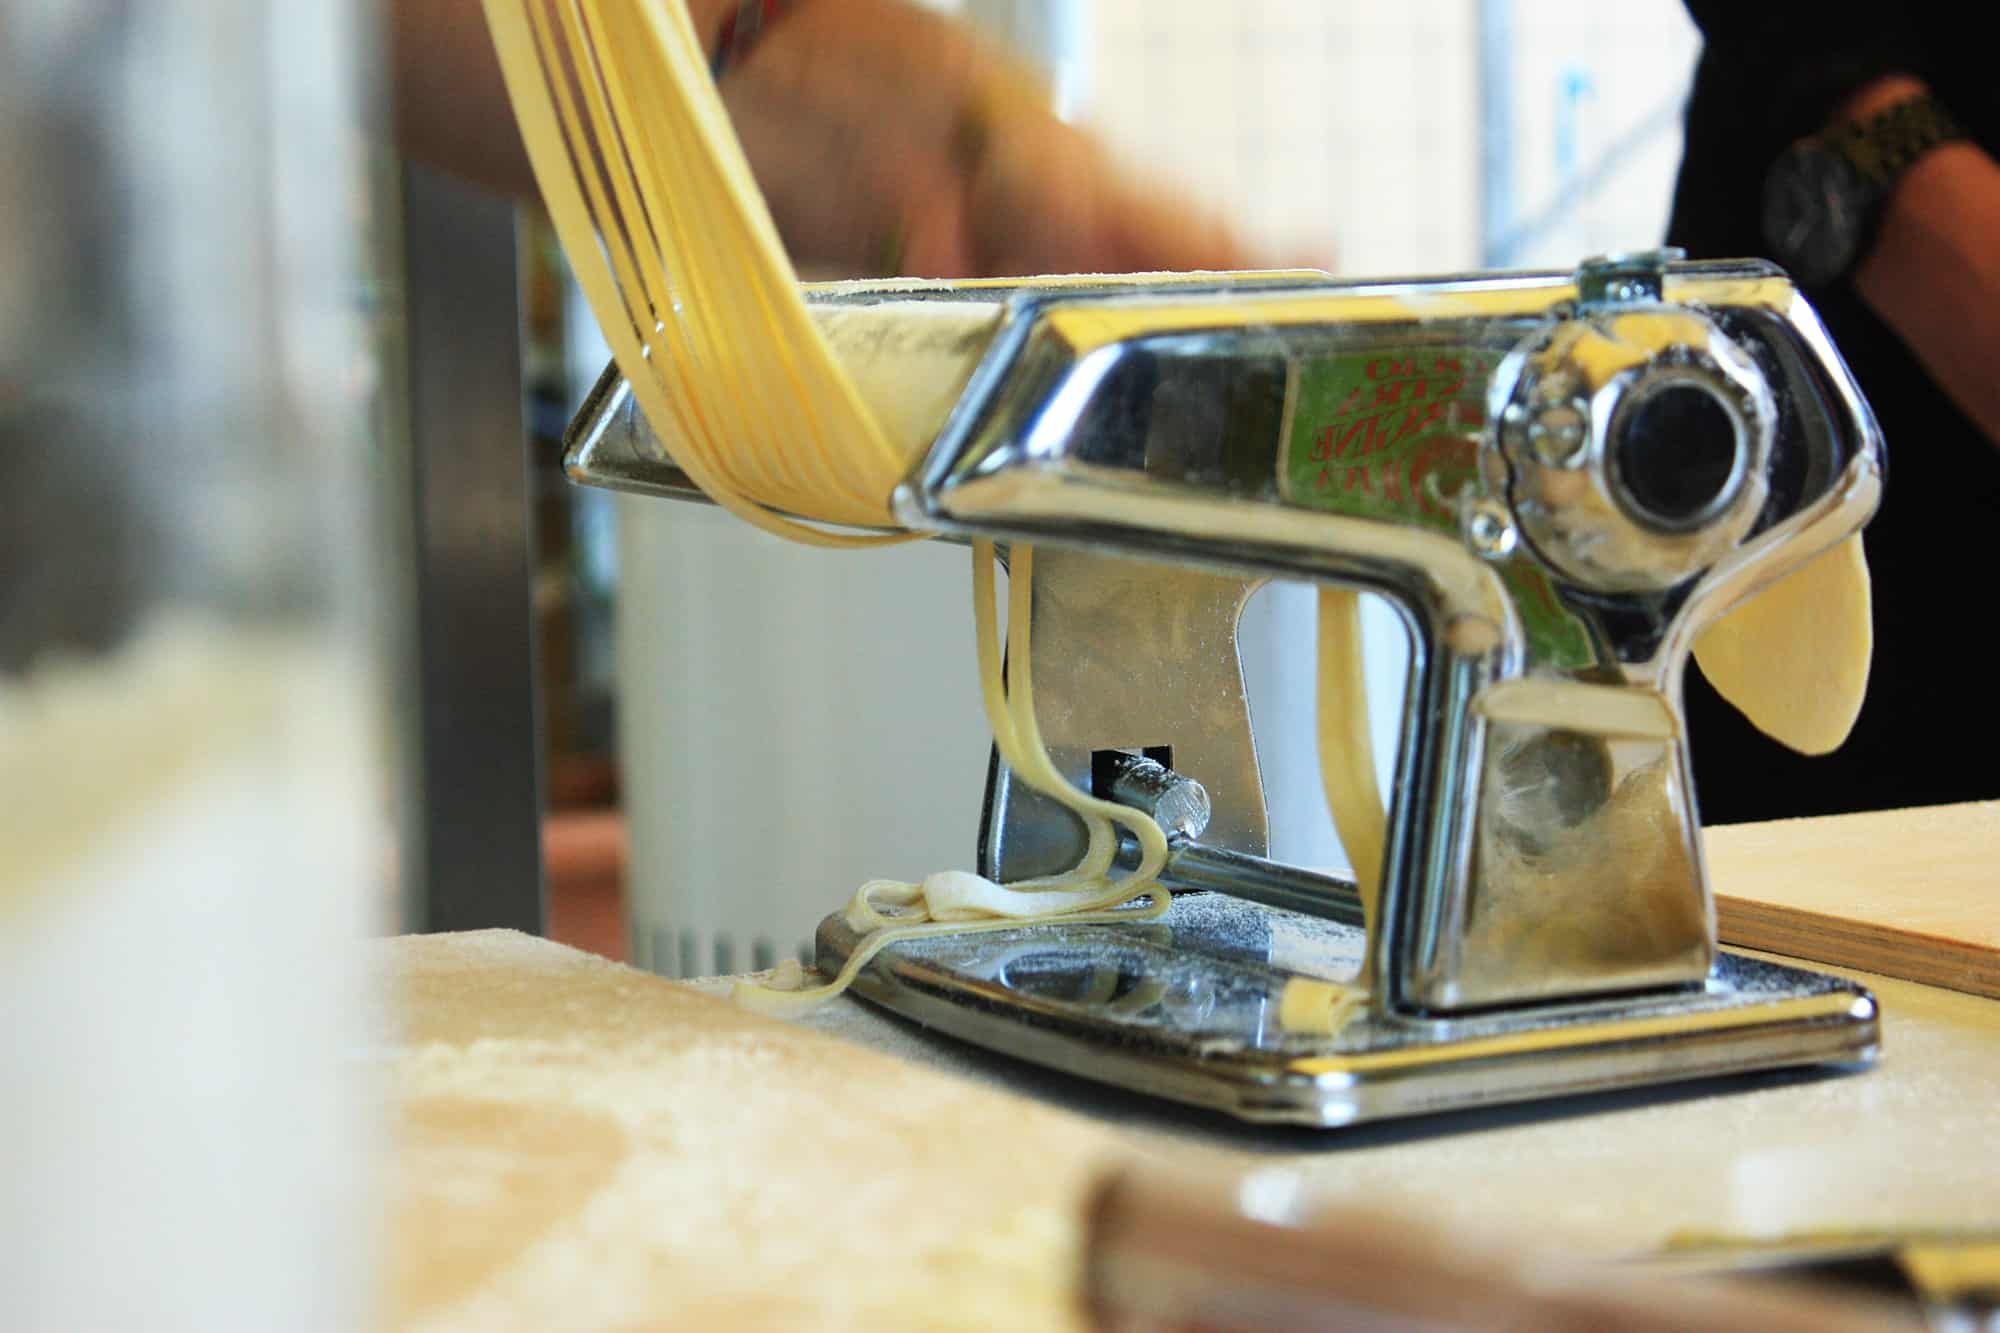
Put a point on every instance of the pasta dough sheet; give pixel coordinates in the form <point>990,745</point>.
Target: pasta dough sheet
<point>909,361</point>
<point>1795,657</point>
<point>583,1146</point>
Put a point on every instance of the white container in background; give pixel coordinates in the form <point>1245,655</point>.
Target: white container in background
<point>793,722</point>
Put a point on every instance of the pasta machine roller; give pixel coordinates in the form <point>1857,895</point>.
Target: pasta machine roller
<point>1557,479</point>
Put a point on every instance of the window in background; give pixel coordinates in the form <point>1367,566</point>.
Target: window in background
<point>1582,126</point>
<point>1386,138</point>
<point>1336,135</point>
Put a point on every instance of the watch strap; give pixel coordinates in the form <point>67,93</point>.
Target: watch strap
<point>1885,145</point>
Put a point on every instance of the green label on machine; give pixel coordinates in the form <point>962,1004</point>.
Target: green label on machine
<point>1386,436</point>
<point>1395,435</point>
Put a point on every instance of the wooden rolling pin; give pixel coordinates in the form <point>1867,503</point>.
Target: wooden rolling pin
<point>1166,1251</point>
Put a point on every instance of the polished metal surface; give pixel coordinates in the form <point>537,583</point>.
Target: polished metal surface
<point>609,444</point>
<point>1637,437</point>
<point>1181,808</point>
<point>1179,805</point>
<point>1557,480</point>
<point>1542,837</point>
<point>1189,1008</point>
<point>1193,866</point>
<point>1129,655</point>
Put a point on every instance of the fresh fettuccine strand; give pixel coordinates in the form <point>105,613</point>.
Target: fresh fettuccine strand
<point>676,251</point>
<point>1307,1005</point>
<point>1347,753</point>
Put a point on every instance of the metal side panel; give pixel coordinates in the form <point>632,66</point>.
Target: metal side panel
<point>1190,1008</point>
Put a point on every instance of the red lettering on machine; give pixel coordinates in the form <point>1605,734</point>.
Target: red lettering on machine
<point>1401,435</point>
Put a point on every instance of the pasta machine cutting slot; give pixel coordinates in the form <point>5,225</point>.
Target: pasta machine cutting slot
<point>1557,479</point>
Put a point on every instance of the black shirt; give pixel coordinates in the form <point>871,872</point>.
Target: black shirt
<point>1773,71</point>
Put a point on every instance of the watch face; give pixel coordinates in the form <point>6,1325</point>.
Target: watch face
<point>1815,213</point>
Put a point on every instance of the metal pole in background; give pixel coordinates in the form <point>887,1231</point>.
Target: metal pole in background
<point>477,836</point>
<point>1496,131</point>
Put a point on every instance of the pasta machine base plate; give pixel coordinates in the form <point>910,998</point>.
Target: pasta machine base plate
<point>1187,1008</point>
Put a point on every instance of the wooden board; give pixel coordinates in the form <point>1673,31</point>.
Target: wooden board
<point>583,1146</point>
<point>1904,893</point>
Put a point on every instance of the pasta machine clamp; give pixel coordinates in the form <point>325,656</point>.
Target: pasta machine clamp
<point>1556,479</point>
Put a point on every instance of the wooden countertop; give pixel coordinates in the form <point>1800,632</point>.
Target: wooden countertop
<point>586,1146</point>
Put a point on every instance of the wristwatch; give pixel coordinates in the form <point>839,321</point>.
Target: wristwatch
<point>1824,195</point>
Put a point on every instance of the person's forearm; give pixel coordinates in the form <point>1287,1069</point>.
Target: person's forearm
<point>450,102</point>
<point>890,139</point>
<point>886,138</point>
<point>1933,274</point>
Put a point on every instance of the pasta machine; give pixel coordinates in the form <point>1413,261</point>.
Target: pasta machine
<point>1557,479</point>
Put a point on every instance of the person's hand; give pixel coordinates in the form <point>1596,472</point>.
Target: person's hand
<point>889,140</point>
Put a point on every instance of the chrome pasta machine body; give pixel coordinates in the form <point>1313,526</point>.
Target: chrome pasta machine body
<point>1557,479</point>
